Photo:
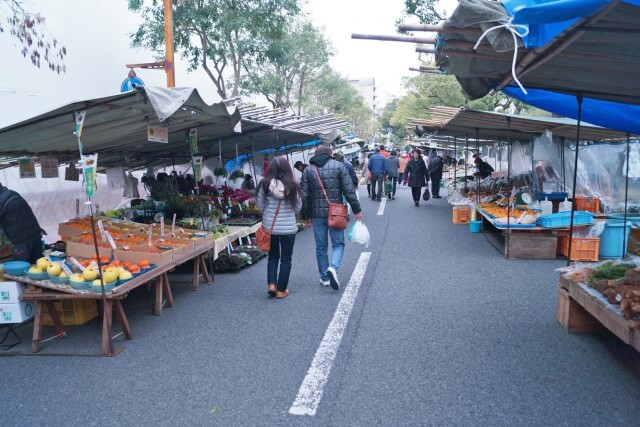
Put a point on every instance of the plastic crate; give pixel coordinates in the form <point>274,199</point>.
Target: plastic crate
<point>461,214</point>
<point>582,248</point>
<point>589,204</point>
<point>73,312</point>
<point>563,219</point>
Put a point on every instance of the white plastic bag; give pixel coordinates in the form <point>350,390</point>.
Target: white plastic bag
<point>359,233</point>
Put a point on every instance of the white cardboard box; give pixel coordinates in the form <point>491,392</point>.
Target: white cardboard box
<point>16,313</point>
<point>10,292</point>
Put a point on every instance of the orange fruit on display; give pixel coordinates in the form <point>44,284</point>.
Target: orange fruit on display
<point>133,268</point>
<point>144,263</point>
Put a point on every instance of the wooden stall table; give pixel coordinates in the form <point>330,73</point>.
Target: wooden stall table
<point>44,293</point>
<point>520,241</point>
<point>235,233</point>
<point>582,309</point>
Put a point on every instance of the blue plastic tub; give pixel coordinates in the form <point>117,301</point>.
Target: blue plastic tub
<point>634,218</point>
<point>475,226</point>
<point>563,219</point>
<point>614,239</point>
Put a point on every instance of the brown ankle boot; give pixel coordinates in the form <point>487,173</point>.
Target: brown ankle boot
<point>271,289</point>
<point>282,294</point>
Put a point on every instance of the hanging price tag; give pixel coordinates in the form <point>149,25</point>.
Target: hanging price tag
<point>110,239</point>
<point>76,264</point>
<point>162,227</point>
<point>66,269</point>
<point>150,233</point>
<point>173,226</point>
<point>101,228</point>
<point>94,265</point>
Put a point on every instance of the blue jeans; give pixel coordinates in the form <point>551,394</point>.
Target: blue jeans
<point>320,231</point>
<point>281,252</point>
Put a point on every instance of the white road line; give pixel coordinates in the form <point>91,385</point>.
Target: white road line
<point>383,203</point>
<point>310,393</point>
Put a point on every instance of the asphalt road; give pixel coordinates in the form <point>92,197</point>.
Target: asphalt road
<point>444,331</point>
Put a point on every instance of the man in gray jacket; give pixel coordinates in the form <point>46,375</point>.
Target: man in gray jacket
<point>315,209</point>
<point>393,164</point>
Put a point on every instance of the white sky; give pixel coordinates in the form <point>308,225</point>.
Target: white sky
<point>95,33</point>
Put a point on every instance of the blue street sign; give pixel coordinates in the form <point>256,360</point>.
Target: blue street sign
<point>351,136</point>
<point>389,130</point>
<point>127,84</point>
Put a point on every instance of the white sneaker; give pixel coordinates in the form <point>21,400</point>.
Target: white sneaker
<point>333,278</point>
<point>325,283</point>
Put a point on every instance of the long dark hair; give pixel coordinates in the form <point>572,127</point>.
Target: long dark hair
<point>280,169</point>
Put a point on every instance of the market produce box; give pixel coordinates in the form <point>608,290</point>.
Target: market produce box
<point>10,292</point>
<point>587,203</point>
<point>86,249</point>
<point>16,313</point>
<point>582,248</point>
<point>461,214</point>
<point>73,312</point>
<point>178,245</point>
<point>138,253</point>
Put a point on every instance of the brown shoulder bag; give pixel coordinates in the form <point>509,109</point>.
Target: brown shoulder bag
<point>338,214</point>
<point>263,237</point>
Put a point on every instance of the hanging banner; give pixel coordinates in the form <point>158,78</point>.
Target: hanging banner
<point>158,134</point>
<point>197,168</point>
<point>79,116</point>
<point>193,140</point>
<point>71,173</point>
<point>89,171</point>
<point>116,178</point>
<point>27,168</point>
<point>49,167</point>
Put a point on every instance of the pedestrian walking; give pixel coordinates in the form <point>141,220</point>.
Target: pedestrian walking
<point>384,153</point>
<point>393,164</point>
<point>435,173</point>
<point>417,175</point>
<point>325,179</point>
<point>366,174</point>
<point>403,160</point>
<point>378,168</point>
<point>279,199</point>
<point>339,156</point>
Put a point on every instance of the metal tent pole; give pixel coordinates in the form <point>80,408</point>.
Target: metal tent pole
<point>455,167</point>
<point>478,153</point>
<point>506,247</point>
<point>575,173</point>
<point>466,153</point>
<point>253,158</point>
<point>626,197</point>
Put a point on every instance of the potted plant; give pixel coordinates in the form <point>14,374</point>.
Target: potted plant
<point>220,173</point>
<point>236,179</point>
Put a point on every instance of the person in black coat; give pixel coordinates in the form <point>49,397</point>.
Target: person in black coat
<point>418,175</point>
<point>20,226</point>
<point>435,173</point>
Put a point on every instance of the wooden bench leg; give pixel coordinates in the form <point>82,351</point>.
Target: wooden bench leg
<point>37,327</point>
<point>166,286</point>
<point>122,318</point>
<point>203,266</point>
<point>157,309</point>
<point>196,274</point>
<point>107,318</point>
<point>55,317</point>
<point>573,317</point>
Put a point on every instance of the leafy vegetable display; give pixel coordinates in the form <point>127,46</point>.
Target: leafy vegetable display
<point>609,271</point>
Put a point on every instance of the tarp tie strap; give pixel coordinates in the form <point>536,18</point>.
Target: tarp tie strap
<point>513,29</point>
<point>440,42</point>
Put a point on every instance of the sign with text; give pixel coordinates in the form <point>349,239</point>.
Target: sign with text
<point>158,134</point>
<point>49,167</point>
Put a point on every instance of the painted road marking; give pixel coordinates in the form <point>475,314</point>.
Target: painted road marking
<point>383,203</point>
<point>310,393</point>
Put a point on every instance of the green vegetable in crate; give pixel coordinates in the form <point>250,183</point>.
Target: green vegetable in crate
<point>609,271</point>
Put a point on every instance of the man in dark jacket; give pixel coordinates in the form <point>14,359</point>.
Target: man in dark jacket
<point>378,168</point>
<point>435,173</point>
<point>393,165</point>
<point>352,172</point>
<point>315,209</point>
<point>20,226</point>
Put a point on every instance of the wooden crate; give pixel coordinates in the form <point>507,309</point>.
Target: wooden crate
<point>573,317</point>
<point>461,214</point>
<point>589,204</point>
<point>582,248</point>
<point>73,312</point>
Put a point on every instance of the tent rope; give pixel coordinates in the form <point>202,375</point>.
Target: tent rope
<point>513,29</point>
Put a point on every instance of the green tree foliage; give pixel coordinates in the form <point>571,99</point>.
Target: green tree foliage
<point>424,10</point>
<point>35,41</point>
<point>224,37</point>
<point>329,92</point>
<point>426,90</point>
<point>288,64</point>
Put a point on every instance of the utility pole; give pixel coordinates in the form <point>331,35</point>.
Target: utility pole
<point>167,65</point>
<point>168,42</point>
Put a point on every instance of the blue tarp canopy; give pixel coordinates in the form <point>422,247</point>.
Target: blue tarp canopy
<point>585,47</point>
